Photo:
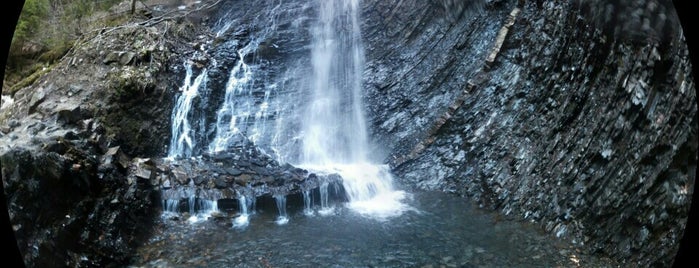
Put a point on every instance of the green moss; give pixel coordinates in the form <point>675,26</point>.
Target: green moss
<point>131,81</point>
<point>28,80</point>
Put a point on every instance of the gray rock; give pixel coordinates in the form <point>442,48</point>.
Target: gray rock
<point>144,172</point>
<point>243,179</point>
<point>37,98</point>
<point>126,58</point>
<point>180,175</point>
<point>69,115</point>
<point>221,182</point>
<point>233,171</point>
<point>111,57</point>
<point>199,179</point>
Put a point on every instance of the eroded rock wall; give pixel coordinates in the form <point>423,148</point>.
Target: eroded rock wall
<point>67,143</point>
<point>593,136</point>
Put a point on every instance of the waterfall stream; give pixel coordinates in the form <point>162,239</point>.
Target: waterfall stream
<point>335,132</point>
<point>183,139</point>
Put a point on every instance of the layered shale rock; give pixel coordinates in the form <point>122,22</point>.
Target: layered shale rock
<point>592,135</point>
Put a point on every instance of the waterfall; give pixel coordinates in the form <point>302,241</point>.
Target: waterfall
<point>244,218</point>
<point>183,141</point>
<point>334,128</point>
<point>235,111</point>
<point>325,208</point>
<point>281,206</point>
<point>244,112</point>
<point>307,203</point>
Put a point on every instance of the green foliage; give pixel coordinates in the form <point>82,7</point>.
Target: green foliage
<point>46,31</point>
<point>33,13</point>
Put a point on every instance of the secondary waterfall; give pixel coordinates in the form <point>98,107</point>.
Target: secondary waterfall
<point>334,128</point>
<point>183,139</point>
<point>235,109</point>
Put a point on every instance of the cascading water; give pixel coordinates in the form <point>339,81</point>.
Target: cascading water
<point>245,206</point>
<point>170,206</point>
<point>281,206</point>
<point>182,142</point>
<point>307,203</point>
<point>334,128</point>
<point>235,111</point>
<point>242,112</point>
<point>325,208</point>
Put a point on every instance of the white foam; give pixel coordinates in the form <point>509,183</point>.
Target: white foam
<point>369,188</point>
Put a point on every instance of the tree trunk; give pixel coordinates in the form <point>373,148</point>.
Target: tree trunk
<point>133,7</point>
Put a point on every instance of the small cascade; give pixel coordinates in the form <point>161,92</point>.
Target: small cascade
<point>251,205</point>
<point>183,140</point>
<point>208,207</point>
<point>235,110</point>
<point>191,202</point>
<point>6,101</point>
<point>244,205</point>
<point>281,206</point>
<point>325,208</point>
<point>199,209</point>
<point>246,105</point>
<point>205,209</point>
<point>307,203</point>
<point>170,206</point>
<point>191,193</point>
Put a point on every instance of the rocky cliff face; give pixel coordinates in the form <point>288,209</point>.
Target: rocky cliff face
<point>592,135</point>
<point>71,146</point>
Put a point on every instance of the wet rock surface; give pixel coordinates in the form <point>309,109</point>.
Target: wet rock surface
<point>69,208</point>
<point>241,171</point>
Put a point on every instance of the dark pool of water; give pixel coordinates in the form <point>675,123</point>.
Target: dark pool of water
<point>445,231</point>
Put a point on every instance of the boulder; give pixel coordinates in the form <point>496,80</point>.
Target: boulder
<point>180,175</point>
<point>243,179</point>
<point>127,58</point>
<point>69,114</point>
<point>221,182</point>
<point>111,57</point>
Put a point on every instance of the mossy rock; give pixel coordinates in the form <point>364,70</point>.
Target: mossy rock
<point>129,81</point>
